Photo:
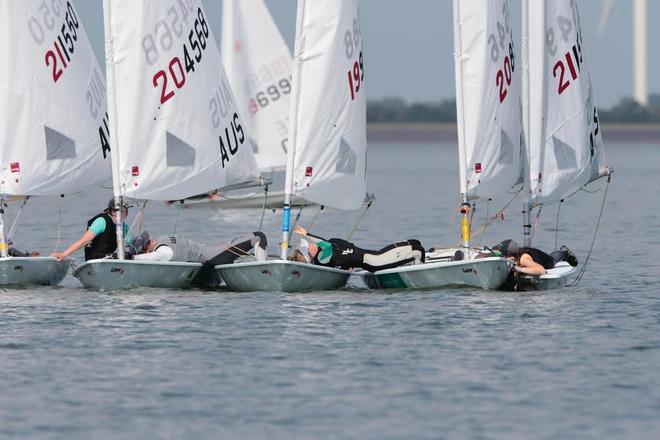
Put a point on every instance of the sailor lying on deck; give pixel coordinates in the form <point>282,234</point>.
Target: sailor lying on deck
<point>100,239</point>
<point>336,252</point>
<point>533,261</point>
<point>177,248</point>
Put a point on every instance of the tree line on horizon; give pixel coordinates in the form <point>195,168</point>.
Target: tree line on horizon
<point>392,109</point>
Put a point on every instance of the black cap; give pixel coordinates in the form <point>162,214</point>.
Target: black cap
<point>111,205</point>
<point>507,247</point>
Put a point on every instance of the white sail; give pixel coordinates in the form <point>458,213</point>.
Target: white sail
<point>258,65</point>
<point>565,143</point>
<point>53,121</point>
<point>488,85</point>
<point>328,110</point>
<point>178,129</point>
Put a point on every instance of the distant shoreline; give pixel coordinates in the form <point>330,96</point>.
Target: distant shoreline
<point>446,133</point>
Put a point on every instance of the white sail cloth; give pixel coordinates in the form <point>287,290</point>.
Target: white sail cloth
<point>53,126</point>
<point>328,109</point>
<point>258,65</point>
<point>565,142</point>
<point>179,132</point>
<point>488,87</point>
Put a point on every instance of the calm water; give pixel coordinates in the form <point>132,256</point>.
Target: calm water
<point>582,363</point>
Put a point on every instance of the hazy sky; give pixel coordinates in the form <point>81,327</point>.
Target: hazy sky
<point>408,44</point>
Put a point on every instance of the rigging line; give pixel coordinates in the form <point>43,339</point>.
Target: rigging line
<point>318,213</point>
<point>482,229</point>
<point>557,223</point>
<point>176,221</point>
<point>263,208</point>
<point>369,203</point>
<point>295,222</point>
<point>16,219</point>
<point>593,240</point>
<point>136,226</point>
<point>535,225</point>
<point>59,227</point>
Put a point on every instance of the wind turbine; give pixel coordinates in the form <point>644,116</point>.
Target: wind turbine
<point>640,91</point>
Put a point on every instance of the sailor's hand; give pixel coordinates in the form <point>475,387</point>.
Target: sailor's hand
<point>58,255</point>
<point>34,254</point>
<point>300,230</point>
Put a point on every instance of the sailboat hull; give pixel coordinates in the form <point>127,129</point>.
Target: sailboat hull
<point>555,278</point>
<point>115,274</point>
<point>25,271</point>
<point>484,273</point>
<point>281,276</point>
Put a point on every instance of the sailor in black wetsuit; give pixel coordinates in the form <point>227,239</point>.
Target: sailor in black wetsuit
<point>343,254</point>
<point>541,261</point>
<point>100,239</point>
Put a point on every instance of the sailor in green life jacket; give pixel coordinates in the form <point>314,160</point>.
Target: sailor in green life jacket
<point>100,238</point>
<point>178,248</point>
<point>343,254</point>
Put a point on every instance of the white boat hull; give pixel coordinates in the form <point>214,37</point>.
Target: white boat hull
<point>555,278</point>
<point>25,271</point>
<point>484,273</point>
<point>111,274</point>
<point>281,276</point>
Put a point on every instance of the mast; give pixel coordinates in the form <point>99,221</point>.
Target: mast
<point>527,217</point>
<point>293,130</point>
<point>460,120</point>
<point>639,30</point>
<point>112,116</point>
<point>4,246</point>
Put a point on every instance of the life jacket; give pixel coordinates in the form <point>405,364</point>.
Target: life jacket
<point>103,244</point>
<point>182,248</point>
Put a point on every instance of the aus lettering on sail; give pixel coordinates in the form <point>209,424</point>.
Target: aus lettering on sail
<point>223,108</point>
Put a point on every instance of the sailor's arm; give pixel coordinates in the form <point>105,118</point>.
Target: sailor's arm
<point>87,237</point>
<point>162,253</point>
<point>303,232</point>
<point>528,266</point>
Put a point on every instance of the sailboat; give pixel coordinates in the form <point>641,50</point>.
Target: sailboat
<point>53,121</point>
<point>326,155</point>
<point>259,67</point>
<point>489,132</point>
<point>174,118</point>
<point>564,140</point>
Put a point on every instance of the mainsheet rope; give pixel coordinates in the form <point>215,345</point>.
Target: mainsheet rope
<point>593,240</point>
<point>370,202</point>
<point>16,220</point>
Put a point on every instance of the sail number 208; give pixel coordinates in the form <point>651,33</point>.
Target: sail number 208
<point>503,78</point>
